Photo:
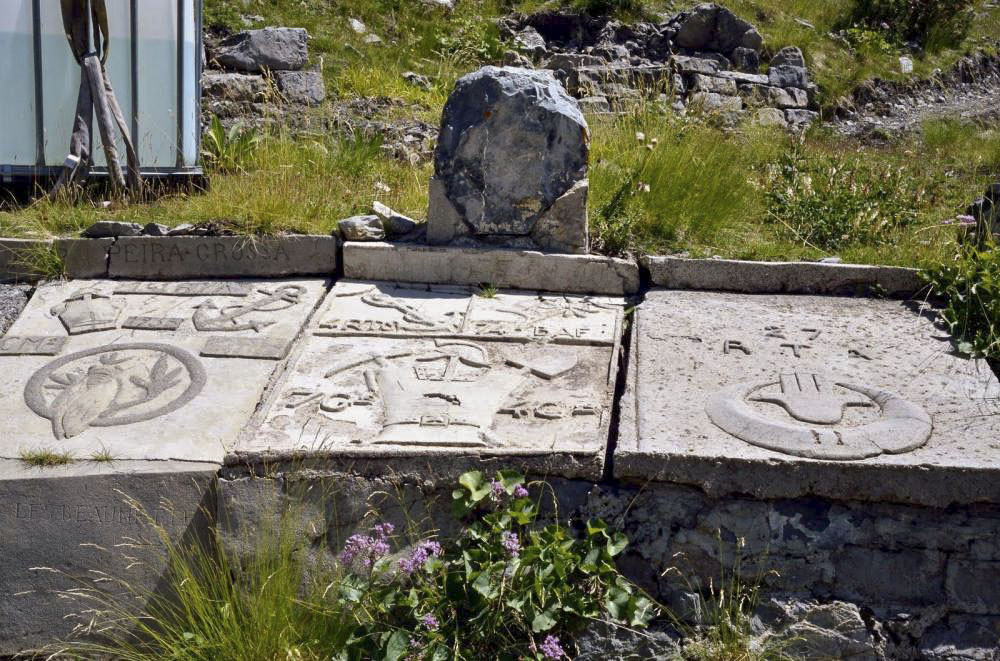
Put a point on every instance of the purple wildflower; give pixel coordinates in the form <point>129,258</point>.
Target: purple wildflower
<point>383,530</point>
<point>520,492</point>
<point>965,220</point>
<point>498,491</point>
<point>511,543</point>
<point>367,548</point>
<point>429,621</point>
<point>551,648</point>
<point>416,560</point>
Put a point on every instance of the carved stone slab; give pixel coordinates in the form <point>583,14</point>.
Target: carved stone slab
<point>788,395</point>
<point>390,310</point>
<point>145,370</point>
<point>409,371</point>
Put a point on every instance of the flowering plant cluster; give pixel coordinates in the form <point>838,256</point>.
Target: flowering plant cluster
<point>509,587</point>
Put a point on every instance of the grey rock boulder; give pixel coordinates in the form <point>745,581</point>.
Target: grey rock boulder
<point>605,641</point>
<point>230,86</point>
<point>361,228</point>
<point>275,49</point>
<point>418,80</point>
<point>395,224</point>
<point>832,630</point>
<point>789,56</point>
<point>512,142</point>
<point>104,229</point>
<point>531,43</point>
<point>786,75</point>
<point>304,87</point>
<point>155,229</point>
<point>711,27</point>
<point>746,59</point>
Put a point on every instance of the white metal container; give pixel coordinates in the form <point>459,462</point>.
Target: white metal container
<point>155,69</point>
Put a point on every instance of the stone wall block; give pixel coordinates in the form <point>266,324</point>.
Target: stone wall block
<point>910,577</point>
<point>973,586</point>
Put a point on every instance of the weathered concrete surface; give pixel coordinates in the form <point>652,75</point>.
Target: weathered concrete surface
<point>782,277</point>
<point>70,528</point>
<point>787,396</point>
<point>512,143</point>
<point>399,373</point>
<point>180,257</point>
<point>502,268</point>
<point>16,259</point>
<point>84,258</point>
<point>145,370</point>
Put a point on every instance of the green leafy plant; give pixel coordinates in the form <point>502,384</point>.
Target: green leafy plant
<point>829,202</point>
<point>486,290</point>
<point>935,24</point>
<point>230,151</point>
<point>623,8</point>
<point>970,287</point>
<point>510,586</point>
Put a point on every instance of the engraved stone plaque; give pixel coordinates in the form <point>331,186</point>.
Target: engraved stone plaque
<point>852,397</point>
<point>388,310</point>
<point>145,370</point>
<point>407,371</point>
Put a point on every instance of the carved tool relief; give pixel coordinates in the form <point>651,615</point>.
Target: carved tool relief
<point>444,392</point>
<point>805,414</point>
<point>246,316</point>
<point>113,385</point>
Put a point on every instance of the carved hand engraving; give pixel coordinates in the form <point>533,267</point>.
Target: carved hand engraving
<point>210,317</point>
<point>809,398</point>
<point>113,385</point>
<point>816,410</point>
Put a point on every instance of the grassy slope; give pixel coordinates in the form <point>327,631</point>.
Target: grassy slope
<point>708,191</point>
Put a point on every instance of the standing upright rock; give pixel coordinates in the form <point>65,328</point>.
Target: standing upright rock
<point>275,49</point>
<point>511,164</point>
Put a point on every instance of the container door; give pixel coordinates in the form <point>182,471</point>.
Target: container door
<point>18,141</point>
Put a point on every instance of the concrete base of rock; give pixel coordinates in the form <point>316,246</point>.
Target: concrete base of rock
<point>562,228</point>
<point>502,268</point>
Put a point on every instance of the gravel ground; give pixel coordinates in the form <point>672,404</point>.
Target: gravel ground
<point>12,299</point>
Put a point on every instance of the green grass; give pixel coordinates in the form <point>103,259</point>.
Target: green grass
<point>709,192</point>
<point>45,458</point>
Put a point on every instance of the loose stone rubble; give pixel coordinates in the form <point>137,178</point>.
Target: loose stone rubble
<point>255,74</point>
<point>511,164</point>
<point>706,58</point>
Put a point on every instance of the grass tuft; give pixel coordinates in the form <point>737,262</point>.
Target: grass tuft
<point>45,458</point>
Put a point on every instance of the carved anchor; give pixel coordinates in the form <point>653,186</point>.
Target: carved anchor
<point>228,318</point>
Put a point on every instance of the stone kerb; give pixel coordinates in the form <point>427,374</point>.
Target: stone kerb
<point>516,269</point>
<point>750,277</point>
<point>179,257</point>
<point>172,257</point>
<point>159,376</point>
<point>391,376</point>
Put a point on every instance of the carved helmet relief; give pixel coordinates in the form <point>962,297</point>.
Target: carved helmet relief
<point>113,385</point>
<point>803,414</point>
